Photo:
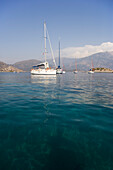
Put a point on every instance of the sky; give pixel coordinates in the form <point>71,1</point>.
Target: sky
<point>83,27</point>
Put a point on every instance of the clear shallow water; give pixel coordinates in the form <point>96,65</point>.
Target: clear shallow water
<point>56,122</point>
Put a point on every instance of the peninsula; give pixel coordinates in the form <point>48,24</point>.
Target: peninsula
<point>102,70</point>
<point>8,68</point>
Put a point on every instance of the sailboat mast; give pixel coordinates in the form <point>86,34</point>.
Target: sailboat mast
<point>76,63</point>
<point>59,54</point>
<point>92,64</point>
<point>45,39</point>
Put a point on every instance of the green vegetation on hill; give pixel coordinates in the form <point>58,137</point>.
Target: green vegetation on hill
<point>102,69</point>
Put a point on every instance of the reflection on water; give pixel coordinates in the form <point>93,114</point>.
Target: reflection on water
<point>46,79</point>
<point>56,122</point>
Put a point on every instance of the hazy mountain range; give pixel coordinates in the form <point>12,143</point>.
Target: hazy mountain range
<point>104,59</point>
<point>26,65</point>
<point>8,68</point>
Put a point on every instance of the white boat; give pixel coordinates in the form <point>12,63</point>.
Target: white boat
<point>91,70</point>
<point>43,68</point>
<point>59,70</point>
<point>64,69</point>
<point>37,70</point>
<point>75,72</point>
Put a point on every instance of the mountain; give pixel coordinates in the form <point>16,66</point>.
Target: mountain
<point>104,59</point>
<point>3,65</point>
<point>26,65</point>
<point>8,68</point>
<point>100,60</point>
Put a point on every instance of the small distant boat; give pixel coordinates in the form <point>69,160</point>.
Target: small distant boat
<point>91,70</point>
<point>75,72</point>
<point>43,68</point>
<point>59,70</point>
<point>64,69</point>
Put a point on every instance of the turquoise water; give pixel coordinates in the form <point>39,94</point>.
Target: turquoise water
<point>62,122</point>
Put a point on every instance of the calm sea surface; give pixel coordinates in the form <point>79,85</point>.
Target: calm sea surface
<point>62,122</point>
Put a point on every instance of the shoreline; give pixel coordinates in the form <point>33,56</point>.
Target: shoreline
<point>103,71</point>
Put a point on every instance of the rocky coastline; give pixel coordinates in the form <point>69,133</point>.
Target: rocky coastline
<point>8,68</point>
<point>102,70</point>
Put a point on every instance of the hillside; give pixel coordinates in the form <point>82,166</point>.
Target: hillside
<point>3,65</point>
<point>8,68</point>
<point>103,60</point>
<point>102,70</point>
<point>100,60</point>
<point>26,65</point>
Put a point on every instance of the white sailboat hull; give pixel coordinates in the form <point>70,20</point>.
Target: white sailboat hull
<point>59,71</point>
<point>43,68</point>
<point>75,72</point>
<point>43,72</point>
<point>90,72</point>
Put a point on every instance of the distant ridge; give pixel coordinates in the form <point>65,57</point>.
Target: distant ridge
<point>3,65</point>
<point>26,65</point>
<point>8,68</point>
<point>103,59</point>
<point>100,60</point>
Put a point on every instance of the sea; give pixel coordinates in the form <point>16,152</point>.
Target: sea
<point>61,122</point>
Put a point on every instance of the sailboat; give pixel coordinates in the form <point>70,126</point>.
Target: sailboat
<point>91,70</point>
<point>75,72</point>
<point>43,68</point>
<point>59,70</point>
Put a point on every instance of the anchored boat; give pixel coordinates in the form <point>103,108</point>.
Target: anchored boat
<point>43,68</point>
<point>75,72</point>
<point>59,70</point>
<point>91,70</point>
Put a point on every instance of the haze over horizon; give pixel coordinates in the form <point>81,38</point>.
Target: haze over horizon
<point>84,28</point>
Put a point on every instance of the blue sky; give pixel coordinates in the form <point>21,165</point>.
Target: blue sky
<point>76,22</point>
